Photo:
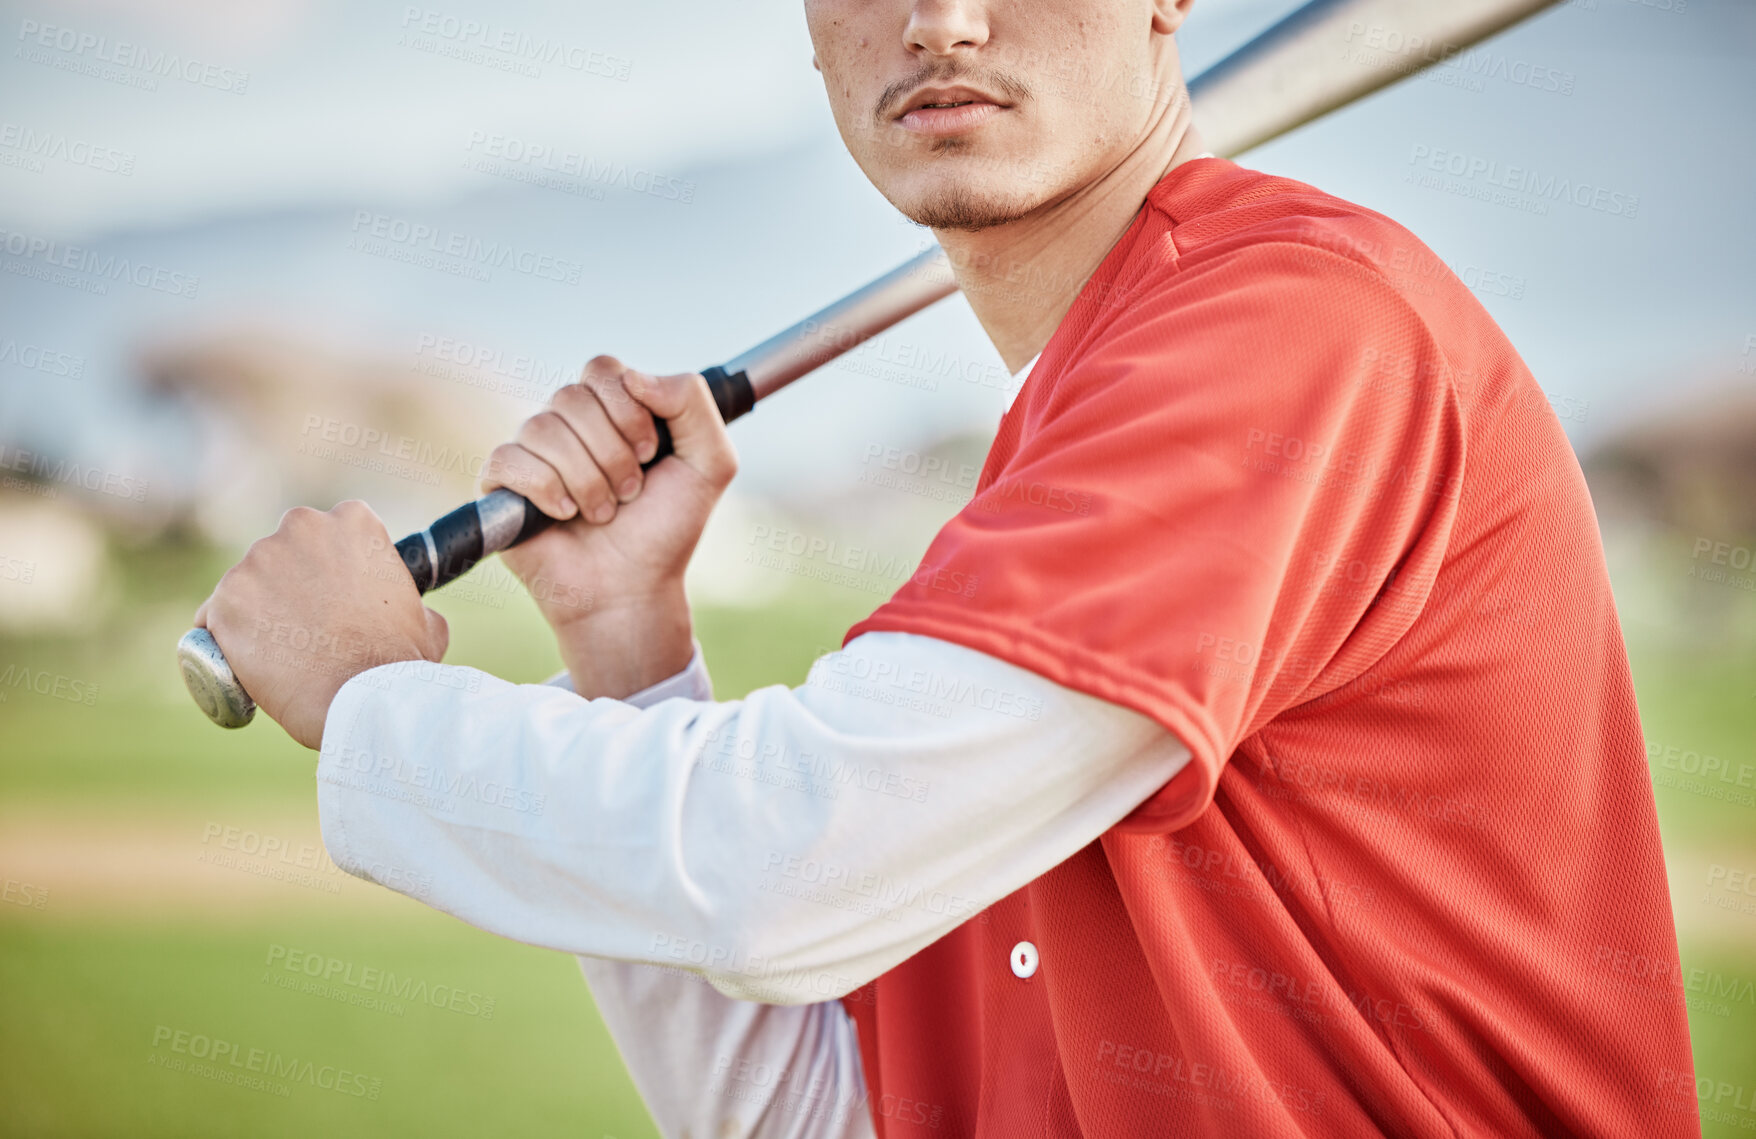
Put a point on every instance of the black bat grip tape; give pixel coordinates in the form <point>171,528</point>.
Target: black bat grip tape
<point>450,547</point>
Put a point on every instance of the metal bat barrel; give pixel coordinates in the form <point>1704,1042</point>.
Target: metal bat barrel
<point>1328,53</point>
<point>500,519</point>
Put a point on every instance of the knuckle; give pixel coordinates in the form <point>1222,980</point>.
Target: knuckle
<point>502,461</point>
<point>604,392</point>
<point>700,392</point>
<point>297,518</point>
<point>721,461</point>
<point>502,465</point>
<point>601,366</point>
<point>615,397</point>
<point>628,415</point>
<point>725,469</point>
<point>542,425</point>
<point>542,479</point>
<point>571,395</point>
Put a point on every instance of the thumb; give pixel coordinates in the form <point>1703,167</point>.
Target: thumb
<point>698,434</point>
<point>438,635</point>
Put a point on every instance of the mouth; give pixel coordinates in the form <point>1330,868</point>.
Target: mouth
<point>944,111</point>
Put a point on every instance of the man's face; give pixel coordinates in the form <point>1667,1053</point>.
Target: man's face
<point>972,113</point>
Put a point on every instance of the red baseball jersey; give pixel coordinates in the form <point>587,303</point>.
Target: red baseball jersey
<point>1280,483</point>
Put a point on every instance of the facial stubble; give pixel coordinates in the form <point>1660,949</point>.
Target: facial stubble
<point>958,205</point>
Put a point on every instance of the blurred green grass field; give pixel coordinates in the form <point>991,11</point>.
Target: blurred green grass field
<point>87,986</point>
<point>86,999</point>
<point>89,982</point>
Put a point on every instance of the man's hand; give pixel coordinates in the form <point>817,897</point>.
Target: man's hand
<point>323,598</point>
<point>609,577</point>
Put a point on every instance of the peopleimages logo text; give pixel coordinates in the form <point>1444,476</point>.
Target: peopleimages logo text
<point>435,241</point>
<point>1535,185</point>
<point>107,266</point>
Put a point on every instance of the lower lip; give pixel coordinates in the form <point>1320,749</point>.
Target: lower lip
<point>940,121</point>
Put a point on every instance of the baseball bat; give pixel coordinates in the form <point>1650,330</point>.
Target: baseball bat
<point>1324,55</point>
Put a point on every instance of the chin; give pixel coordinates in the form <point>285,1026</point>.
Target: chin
<point>963,206</point>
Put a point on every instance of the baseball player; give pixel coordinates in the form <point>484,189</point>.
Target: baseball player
<point>1255,754</point>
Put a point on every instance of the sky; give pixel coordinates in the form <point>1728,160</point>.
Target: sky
<point>245,185</point>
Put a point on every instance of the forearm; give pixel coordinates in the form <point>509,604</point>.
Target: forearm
<point>654,639</point>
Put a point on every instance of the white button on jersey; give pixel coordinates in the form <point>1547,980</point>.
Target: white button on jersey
<point>1024,959</point>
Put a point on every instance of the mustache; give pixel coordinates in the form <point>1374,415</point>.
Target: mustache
<point>1007,84</point>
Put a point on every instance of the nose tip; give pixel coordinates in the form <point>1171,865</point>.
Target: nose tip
<point>936,27</point>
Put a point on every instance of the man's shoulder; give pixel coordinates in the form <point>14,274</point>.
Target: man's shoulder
<point>1232,215</point>
<point>1255,275</point>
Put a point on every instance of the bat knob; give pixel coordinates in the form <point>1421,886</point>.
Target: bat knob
<point>211,682</point>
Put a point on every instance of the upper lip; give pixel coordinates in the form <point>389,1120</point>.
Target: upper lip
<point>959,94</point>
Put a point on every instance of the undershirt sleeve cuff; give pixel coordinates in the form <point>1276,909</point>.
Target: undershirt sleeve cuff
<point>692,683</point>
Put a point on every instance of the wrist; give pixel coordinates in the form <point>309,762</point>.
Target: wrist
<point>624,648</point>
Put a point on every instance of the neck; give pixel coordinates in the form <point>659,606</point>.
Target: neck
<point>1056,247</point>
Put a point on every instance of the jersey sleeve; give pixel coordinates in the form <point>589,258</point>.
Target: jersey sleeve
<point>1226,498</point>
